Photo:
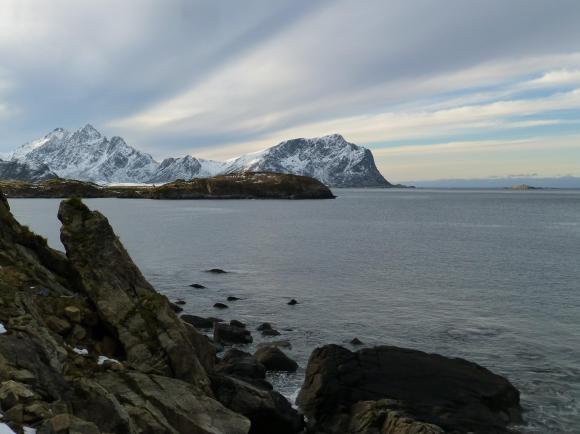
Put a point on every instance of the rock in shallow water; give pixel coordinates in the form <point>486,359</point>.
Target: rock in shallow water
<point>401,385</point>
<point>274,359</point>
<point>230,334</point>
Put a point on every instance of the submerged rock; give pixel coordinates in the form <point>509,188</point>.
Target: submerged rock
<point>292,302</point>
<point>395,390</point>
<point>216,271</point>
<point>197,285</point>
<point>220,306</point>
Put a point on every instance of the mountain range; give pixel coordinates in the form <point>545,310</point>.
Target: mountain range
<point>88,155</point>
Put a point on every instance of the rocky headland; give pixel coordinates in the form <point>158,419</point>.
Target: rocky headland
<point>253,185</point>
<point>88,346</point>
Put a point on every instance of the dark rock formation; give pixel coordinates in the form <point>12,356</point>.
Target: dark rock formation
<point>242,365</point>
<point>264,326</point>
<point>268,411</point>
<point>220,305</point>
<point>232,298</point>
<point>274,359</point>
<point>197,285</point>
<point>292,302</point>
<point>237,323</point>
<point>392,390</point>
<point>229,334</point>
<point>356,341</point>
<point>199,322</point>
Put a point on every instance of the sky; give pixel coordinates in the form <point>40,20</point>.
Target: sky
<point>436,88</point>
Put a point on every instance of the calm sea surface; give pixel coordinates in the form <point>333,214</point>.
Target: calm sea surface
<point>492,276</point>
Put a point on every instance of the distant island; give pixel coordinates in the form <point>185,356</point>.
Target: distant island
<point>524,187</point>
<point>252,185</point>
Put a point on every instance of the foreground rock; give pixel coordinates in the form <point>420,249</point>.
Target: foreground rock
<point>258,185</point>
<point>151,337</point>
<point>268,411</point>
<point>390,390</point>
<point>65,318</point>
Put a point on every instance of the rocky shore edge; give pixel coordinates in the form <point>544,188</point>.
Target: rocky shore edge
<point>250,185</point>
<point>88,346</point>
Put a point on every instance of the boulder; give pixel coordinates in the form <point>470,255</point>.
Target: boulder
<point>237,323</point>
<point>292,302</point>
<point>264,326</point>
<point>356,341</point>
<point>220,306</point>
<point>274,359</point>
<point>406,388</point>
<point>269,412</point>
<point>242,365</point>
<point>154,340</point>
<point>200,322</point>
<point>229,334</point>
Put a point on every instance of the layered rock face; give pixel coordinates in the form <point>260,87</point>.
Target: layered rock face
<point>88,346</point>
<point>390,390</point>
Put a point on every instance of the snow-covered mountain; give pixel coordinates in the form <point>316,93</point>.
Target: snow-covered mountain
<point>330,159</point>
<point>88,155</point>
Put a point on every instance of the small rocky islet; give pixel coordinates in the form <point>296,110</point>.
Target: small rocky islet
<point>88,346</point>
<point>247,185</point>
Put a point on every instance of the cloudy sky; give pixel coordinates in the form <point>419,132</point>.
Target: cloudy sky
<point>436,88</point>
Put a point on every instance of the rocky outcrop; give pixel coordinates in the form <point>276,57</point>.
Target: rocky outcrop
<point>87,345</point>
<point>390,390</point>
<point>152,338</point>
